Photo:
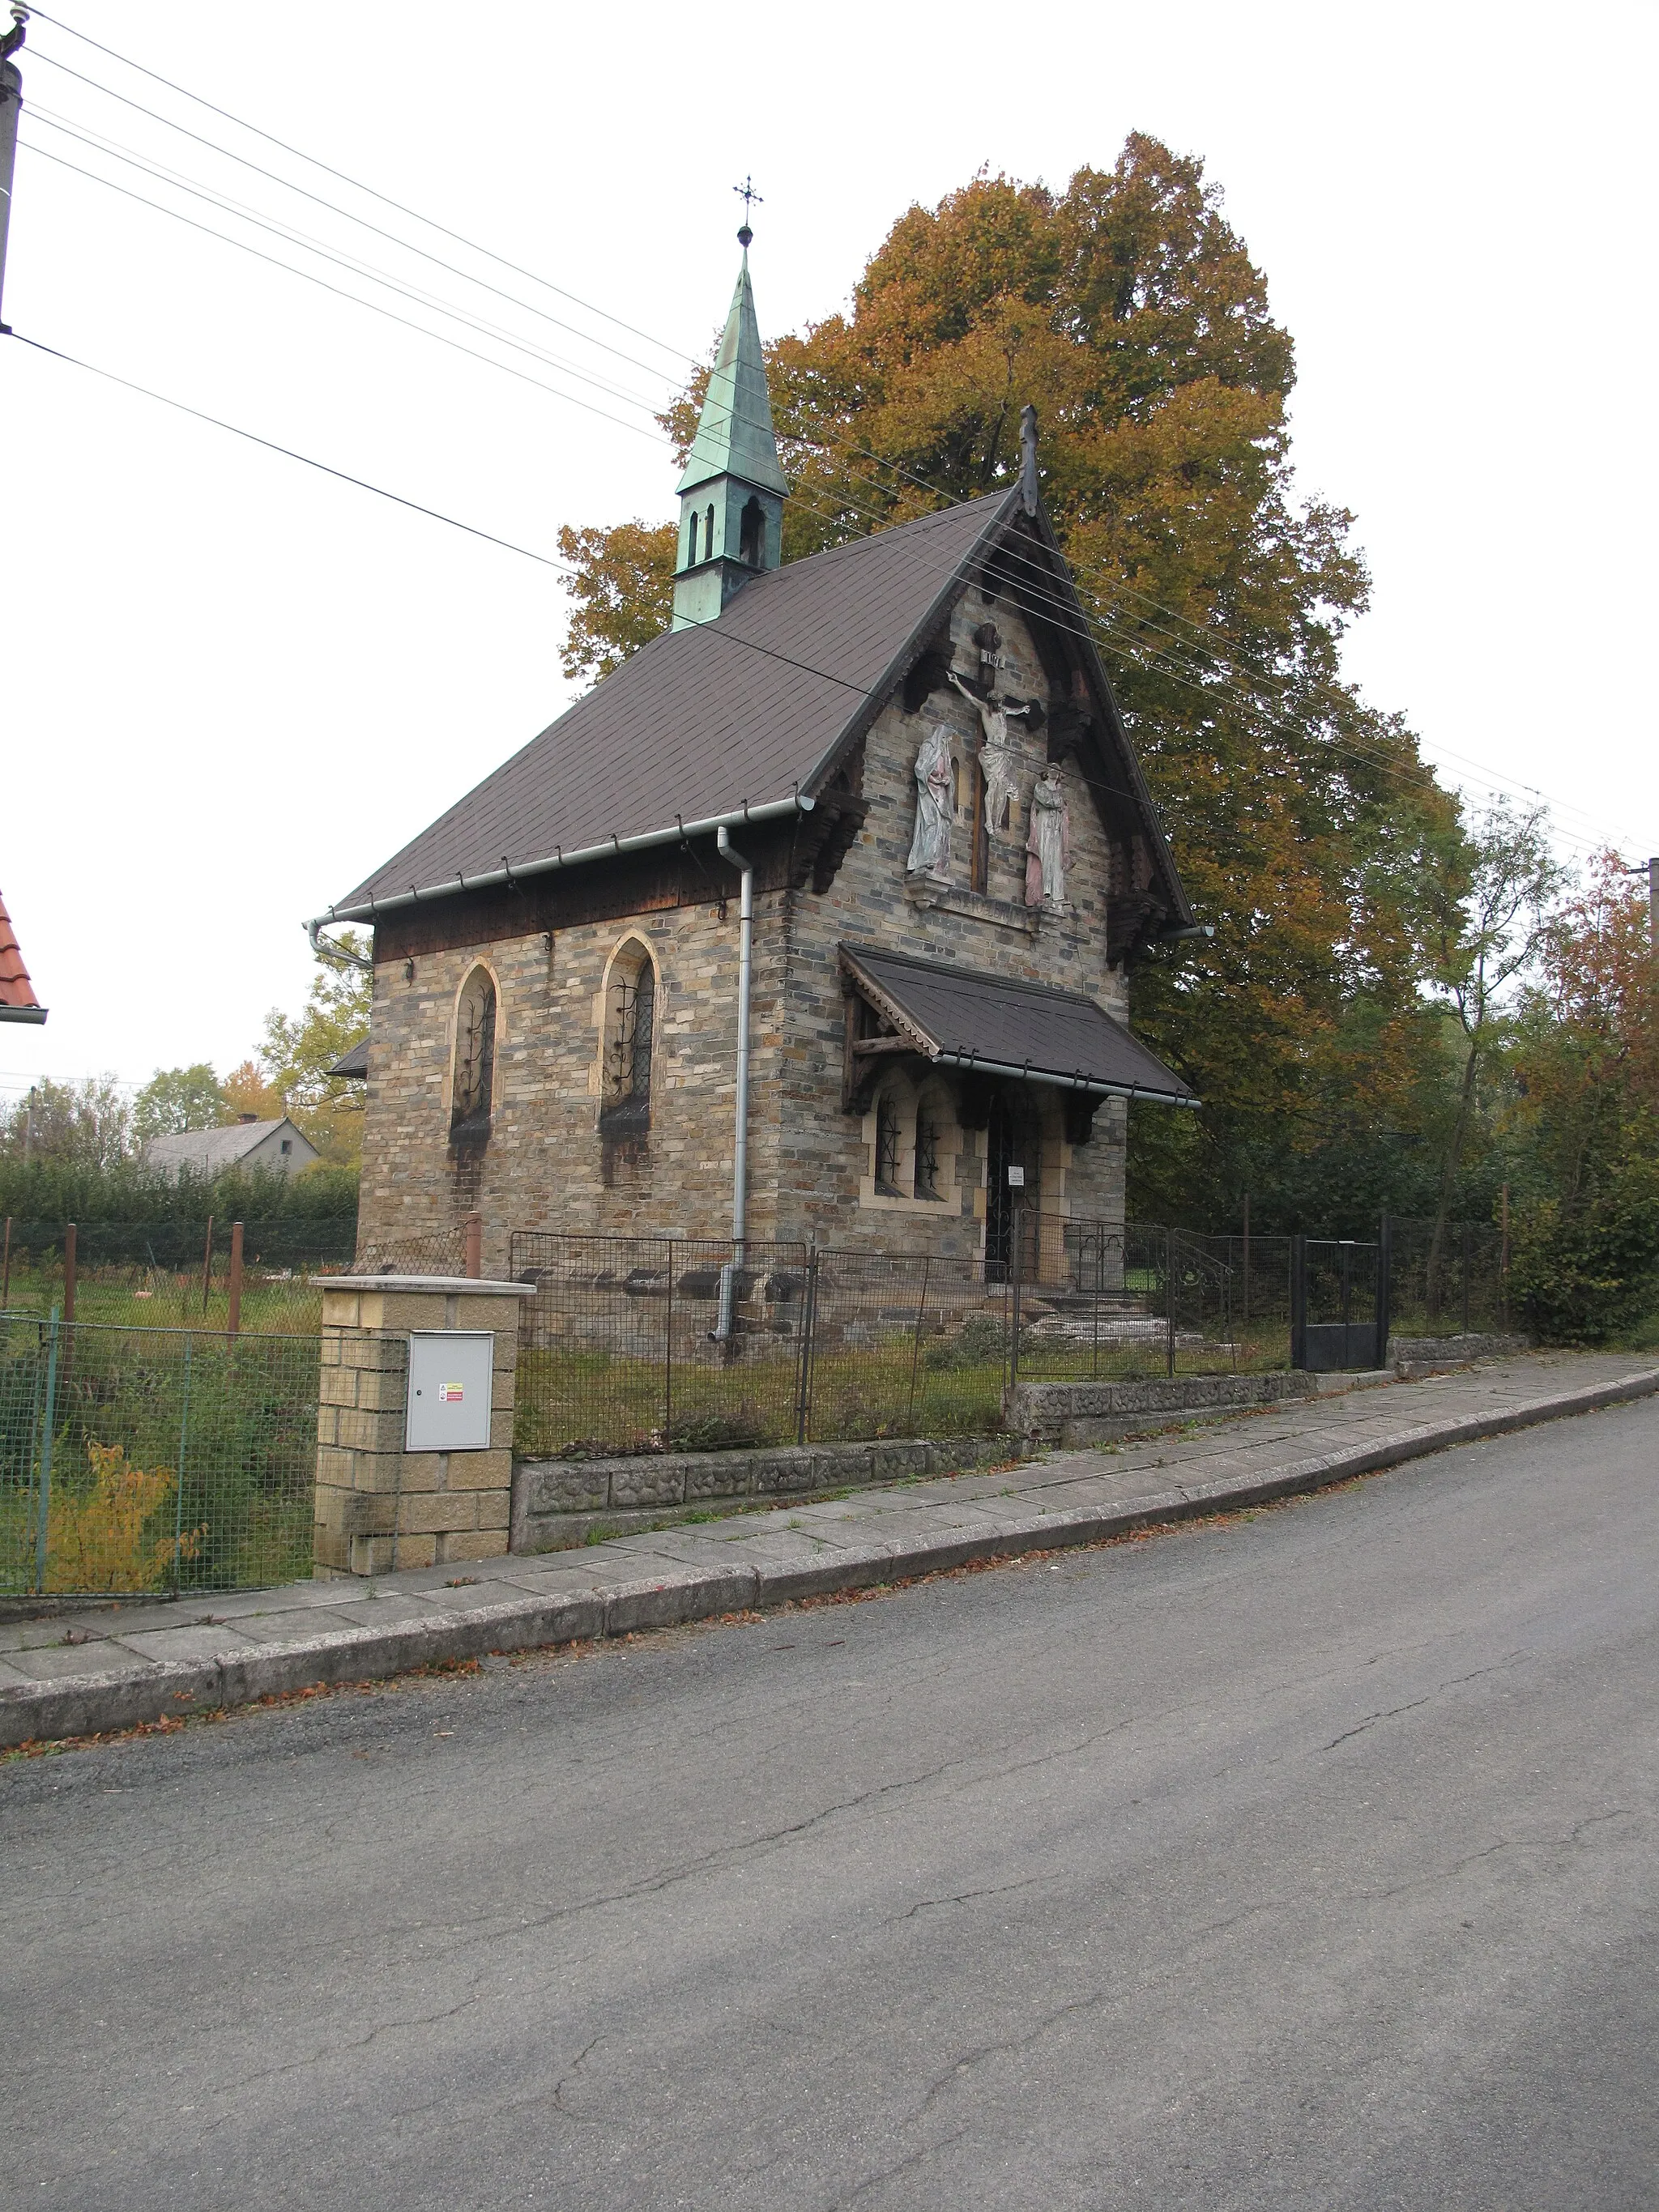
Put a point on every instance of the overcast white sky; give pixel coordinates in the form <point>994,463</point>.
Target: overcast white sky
<point>232,687</point>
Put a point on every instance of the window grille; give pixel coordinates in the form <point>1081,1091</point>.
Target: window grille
<point>628,1049</point>
<point>474,1059</point>
<point>927,1156</point>
<point>887,1148</point>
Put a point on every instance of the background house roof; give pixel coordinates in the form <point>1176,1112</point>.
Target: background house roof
<point>18,1000</point>
<point>209,1152</point>
<point>705,721</point>
<point>967,1017</point>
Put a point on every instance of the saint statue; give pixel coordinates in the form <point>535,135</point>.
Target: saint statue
<point>1047,841</point>
<point>930,848</point>
<point>998,762</point>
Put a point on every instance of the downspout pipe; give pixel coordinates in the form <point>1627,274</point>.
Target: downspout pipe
<point>326,949</point>
<point>734,858</point>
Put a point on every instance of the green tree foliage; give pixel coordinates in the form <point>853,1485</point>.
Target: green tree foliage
<point>67,1127</point>
<point>297,1053</point>
<point>178,1098</point>
<point>1490,905</point>
<point>1584,1124</point>
<point>623,589</point>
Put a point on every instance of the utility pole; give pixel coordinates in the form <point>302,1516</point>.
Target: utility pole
<point>11,105</point>
<point>1652,871</point>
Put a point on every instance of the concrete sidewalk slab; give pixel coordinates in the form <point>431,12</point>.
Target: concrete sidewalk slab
<point>110,1667</point>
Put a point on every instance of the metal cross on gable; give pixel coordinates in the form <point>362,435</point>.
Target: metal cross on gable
<point>751,198</point>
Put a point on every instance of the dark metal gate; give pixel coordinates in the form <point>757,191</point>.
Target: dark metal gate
<point>1339,1302</point>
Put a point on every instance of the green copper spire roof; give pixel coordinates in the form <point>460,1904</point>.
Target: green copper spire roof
<point>735,436</point>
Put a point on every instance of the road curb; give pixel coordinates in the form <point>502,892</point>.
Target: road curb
<point>149,1691</point>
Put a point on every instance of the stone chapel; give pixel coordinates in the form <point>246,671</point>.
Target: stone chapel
<point>812,920</point>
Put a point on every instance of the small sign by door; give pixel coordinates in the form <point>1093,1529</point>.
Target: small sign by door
<point>1015,1178</point>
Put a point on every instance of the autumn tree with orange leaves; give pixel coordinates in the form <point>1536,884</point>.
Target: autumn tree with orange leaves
<point>1307,827</point>
<point>1585,1123</point>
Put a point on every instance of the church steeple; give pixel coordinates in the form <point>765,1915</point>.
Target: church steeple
<point>733,492</point>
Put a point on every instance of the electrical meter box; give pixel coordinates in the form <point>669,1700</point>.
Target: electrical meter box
<point>451,1375</point>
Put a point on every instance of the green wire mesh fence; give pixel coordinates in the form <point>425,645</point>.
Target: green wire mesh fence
<point>155,1461</point>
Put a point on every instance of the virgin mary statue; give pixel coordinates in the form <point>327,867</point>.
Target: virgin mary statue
<point>930,848</point>
<point>1047,841</point>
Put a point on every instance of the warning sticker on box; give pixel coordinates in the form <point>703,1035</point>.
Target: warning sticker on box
<point>450,1393</point>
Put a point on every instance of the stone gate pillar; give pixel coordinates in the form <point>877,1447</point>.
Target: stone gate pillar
<point>378,1507</point>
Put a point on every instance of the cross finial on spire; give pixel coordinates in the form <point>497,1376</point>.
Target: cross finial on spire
<point>747,193</point>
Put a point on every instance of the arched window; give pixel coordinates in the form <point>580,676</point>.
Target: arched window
<point>751,534</point>
<point>887,1146</point>
<point>629,1030</point>
<point>709,535</point>
<point>691,547</point>
<point>472,1090</point>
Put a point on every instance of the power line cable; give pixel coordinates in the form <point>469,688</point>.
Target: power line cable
<point>377,230</point>
<point>436,514</point>
<point>373,307</point>
<point>356,185</point>
<point>291,234</point>
<point>1206,688</point>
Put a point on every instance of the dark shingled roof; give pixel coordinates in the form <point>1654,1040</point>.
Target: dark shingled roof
<point>353,1063</point>
<point>963,1016</point>
<point>745,710</point>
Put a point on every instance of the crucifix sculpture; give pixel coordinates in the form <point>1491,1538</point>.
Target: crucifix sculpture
<point>998,762</point>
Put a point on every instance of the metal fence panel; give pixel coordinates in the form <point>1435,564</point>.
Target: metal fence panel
<point>1451,1284</point>
<point>151,1460</point>
<point>657,1343</point>
<point>171,1274</point>
<point>904,1345</point>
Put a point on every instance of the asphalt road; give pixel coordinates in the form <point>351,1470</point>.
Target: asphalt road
<point>1306,1860</point>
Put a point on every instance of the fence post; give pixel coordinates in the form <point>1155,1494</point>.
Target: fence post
<point>179,1479</point>
<point>1244,1314</point>
<point>1384,1285</point>
<point>43,1524</point>
<point>207,1264</point>
<point>235,1322</point>
<point>1298,1302</point>
<point>1100,1270</point>
<point>667,1352</point>
<point>69,1274</point>
<point>1503,1259</point>
<point>1169,1300</point>
<point>1013,1303</point>
<point>808,1324</point>
<point>5,1264</point>
<point>915,1348</point>
<point>474,1247</point>
<point>1468,1254</point>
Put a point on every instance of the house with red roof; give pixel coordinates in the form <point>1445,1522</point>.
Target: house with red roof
<point>18,1000</point>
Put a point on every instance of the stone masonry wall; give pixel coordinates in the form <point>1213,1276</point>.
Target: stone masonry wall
<point>810,1164</point>
<point>828,1156</point>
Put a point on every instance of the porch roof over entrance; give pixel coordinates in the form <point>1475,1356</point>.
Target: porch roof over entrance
<point>993,1025</point>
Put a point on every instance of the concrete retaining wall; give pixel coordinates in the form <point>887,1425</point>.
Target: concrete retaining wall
<point>1421,1355</point>
<point>558,1502</point>
<point>1077,1414</point>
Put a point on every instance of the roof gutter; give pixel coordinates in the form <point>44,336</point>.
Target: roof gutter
<point>36,1014</point>
<point>975,1066</point>
<point>610,849</point>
